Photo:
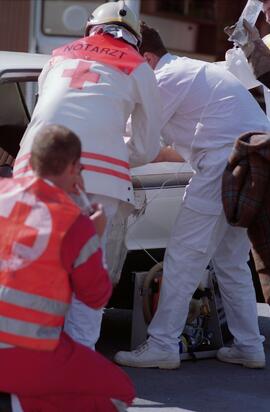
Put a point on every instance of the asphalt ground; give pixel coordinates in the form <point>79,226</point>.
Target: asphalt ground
<point>205,385</point>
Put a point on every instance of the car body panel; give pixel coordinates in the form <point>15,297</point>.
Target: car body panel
<point>17,66</point>
<point>163,185</point>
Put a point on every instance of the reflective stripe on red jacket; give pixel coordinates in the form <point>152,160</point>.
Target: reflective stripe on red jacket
<point>34,286</point>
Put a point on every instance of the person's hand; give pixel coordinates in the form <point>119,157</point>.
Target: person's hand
<point>79,184</point>
<point>252,31</point>
<point>229,30</point>
<point>168,154</point>
<point>252,35</point>
<point>76,178</point>
<point>98,218</point>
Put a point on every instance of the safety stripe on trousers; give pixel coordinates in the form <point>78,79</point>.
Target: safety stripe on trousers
<point>90,247</point>
<point>27,329</point>
<point>31,301</point>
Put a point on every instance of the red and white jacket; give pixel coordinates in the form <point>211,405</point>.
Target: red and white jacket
<point>92,86</point>
<point>47,250</point>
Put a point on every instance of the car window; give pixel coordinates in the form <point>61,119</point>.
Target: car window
<point>14,118</point>
<point>30,92</point>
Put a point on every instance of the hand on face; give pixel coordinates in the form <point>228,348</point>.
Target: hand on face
<point>98,218</point>
<point>79,182</point>
<point>76,178</point>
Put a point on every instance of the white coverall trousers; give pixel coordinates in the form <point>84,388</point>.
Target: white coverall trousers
<point>83,323</point>
<point>197,237</point>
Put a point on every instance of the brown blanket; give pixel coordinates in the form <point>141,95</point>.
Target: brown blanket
<point>246,193</point>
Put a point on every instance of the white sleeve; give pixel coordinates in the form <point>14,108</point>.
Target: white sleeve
<point>43,76</point>
<point>238,65</point>
<point>46,68</point>
<point>144,141</point>
<point>173,88</point>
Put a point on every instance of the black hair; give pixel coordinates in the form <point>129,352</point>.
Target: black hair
<point>151,41</point>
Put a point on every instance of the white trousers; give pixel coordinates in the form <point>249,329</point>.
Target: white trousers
<point>83,323</point>
<point>195,239</point>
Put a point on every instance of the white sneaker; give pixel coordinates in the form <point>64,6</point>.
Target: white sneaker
<point>248,359</point>
<point>120,405</point>
<point>145,356</point>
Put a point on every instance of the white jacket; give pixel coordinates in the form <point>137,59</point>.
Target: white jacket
<point>205,109</point>
<point>92,86</point>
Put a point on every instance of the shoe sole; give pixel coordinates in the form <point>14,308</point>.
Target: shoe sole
<point>165,365</point>
<point>245,363</point>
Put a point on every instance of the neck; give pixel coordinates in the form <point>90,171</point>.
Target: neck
<point>155,61</point>
<point>55,180</point>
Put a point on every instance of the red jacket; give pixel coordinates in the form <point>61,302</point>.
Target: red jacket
<point>35,287</point>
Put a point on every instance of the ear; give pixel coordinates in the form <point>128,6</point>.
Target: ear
<point>151,59</point>
<point>71,169</point>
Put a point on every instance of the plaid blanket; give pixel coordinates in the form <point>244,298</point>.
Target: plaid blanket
<point>246,193</point>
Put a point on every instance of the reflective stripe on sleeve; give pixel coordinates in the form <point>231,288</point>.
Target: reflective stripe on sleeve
<point>23,171</point>
<point>21,165</point>
<point>31,301</point>
<point>90,247</point>
<point>22,158</point>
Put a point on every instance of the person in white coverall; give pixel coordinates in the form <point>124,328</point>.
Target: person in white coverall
<point>92,86</point>
<point>205,108</point>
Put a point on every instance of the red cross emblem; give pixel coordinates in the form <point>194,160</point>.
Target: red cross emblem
<point>80,75</point>
<point>14,227</point>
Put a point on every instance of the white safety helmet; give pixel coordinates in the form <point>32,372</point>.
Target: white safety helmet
<point>115,13</point>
